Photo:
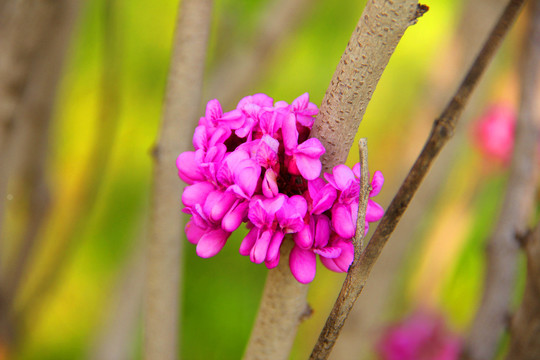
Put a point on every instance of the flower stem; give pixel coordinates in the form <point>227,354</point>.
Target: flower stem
<point>283,307</point>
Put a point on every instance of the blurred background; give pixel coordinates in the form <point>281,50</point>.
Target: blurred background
<point>72,234</point>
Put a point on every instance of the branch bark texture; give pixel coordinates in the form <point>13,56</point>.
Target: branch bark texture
<point>283,307</point>
<point>349,291</point>
<point>442,131</point>
<point>502,249</point>
<point>377,34</point>
<point>443,128</point>
<point>182,103</point>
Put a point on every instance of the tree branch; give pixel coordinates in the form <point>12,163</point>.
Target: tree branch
<point>475,22</point>
<point>377,34</point>
<point>349,292</point>
<point>283,307</point>
<point>440,134</point>
<point>23,26</point>
<point>96,165</point>
<point>35,116</point>
<point>182,103</point>
<point>502,249</point>
<point>33,52</point>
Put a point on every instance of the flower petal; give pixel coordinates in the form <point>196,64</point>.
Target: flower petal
<point>193,232</point>
<point>189,167</point>
<point>311,147</point>
<point>212,242</point>
<point>344,176</point>
<point>308,167</point>
<point>376,183</point>
<point>196,193</point>
<point>343,221</point>
<point>303,264</point>
<point>249,241</point>
<point>290,134</point>
<point>232,220</point>
<point>374,211</point>
<point>259,250</point>
<point>323,199</point>
<point>304,238</point>
<point>213,110</point>
<point>328,252</point>
<point>322,231</point>
<point>275,244</point>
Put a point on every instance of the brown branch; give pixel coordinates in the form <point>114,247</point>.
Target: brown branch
<point>283,307</point>
<point>23,26</point>
<point>180,115</point>
<point>525,325</point>
<point>243,68</point>
<point>35,116</point>
<point>371,308</point>
<point>377,34</point>
<point>29,111</point>
<point>381,26</point>
<point>95,166</point>
<point>502,249</point>
<point>440,134</point>
<point>349,292</point>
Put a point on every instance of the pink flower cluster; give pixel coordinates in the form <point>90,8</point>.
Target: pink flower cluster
<point>422,336</point>
<point>256,164</point>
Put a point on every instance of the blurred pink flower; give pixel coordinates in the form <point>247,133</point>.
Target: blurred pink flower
<point>421,336</point>
<point>493,133</point>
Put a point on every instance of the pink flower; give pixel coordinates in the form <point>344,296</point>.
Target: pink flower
<point>421,336</point>
<point>257,165</point>
<point>304,157</point>
<point>493,133</point>
<point>345,210</point>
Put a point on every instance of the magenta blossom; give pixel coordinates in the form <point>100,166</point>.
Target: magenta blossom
<point>493,133</point>
<point>257,165</point>
<point>421,336</point>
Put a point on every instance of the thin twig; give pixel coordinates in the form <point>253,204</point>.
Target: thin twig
<point>377,34</point>
<point>349,292</point>
<point>180,115</point>
<point>371,308</point>
<point>502,250</point>
<point>440,134</point>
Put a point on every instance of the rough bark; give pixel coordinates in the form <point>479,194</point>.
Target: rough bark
<point>349,291</point>
<point>180,114</point>
<point>283,307</point>
<point>502,250</point>
<point>377,34</point>
<point>372,306</point>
